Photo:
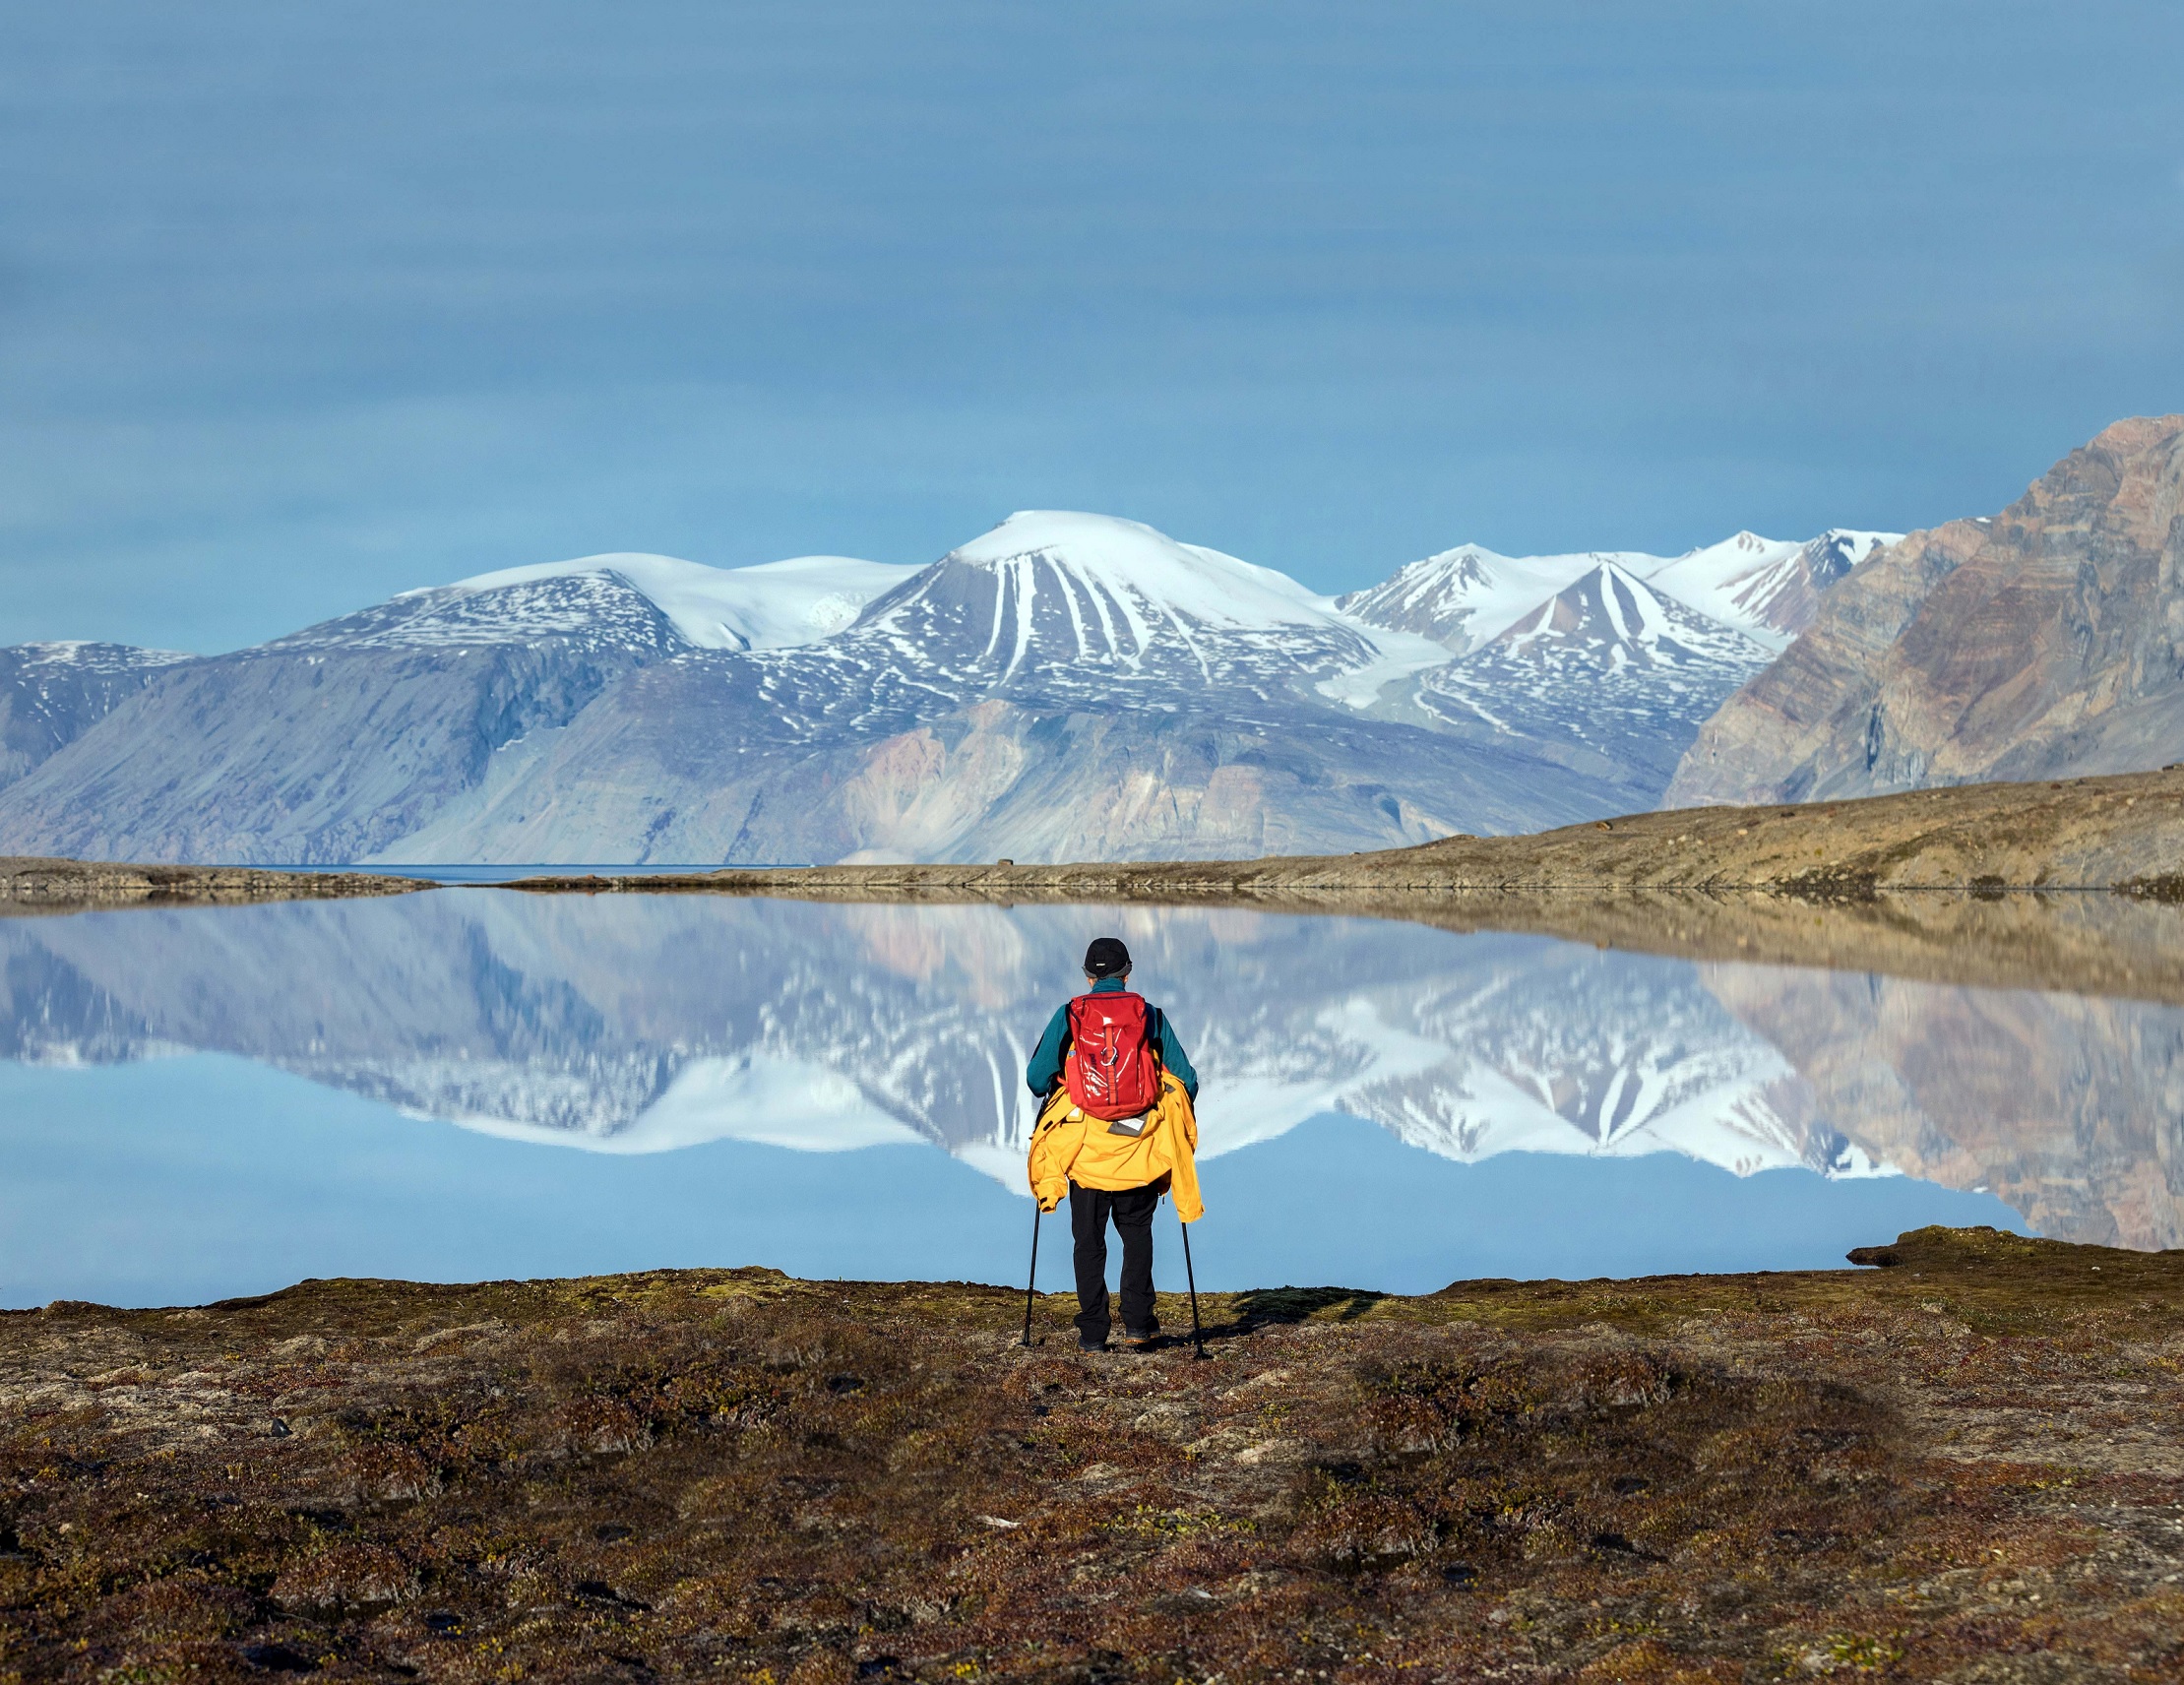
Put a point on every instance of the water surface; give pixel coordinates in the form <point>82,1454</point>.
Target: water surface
<point>472,1082</point>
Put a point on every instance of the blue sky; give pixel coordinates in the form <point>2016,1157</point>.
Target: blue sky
<point>303,305</point>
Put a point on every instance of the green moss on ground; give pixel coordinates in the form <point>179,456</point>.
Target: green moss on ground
<point>1965,1465</point>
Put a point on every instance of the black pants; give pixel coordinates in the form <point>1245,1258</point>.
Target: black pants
<point>1088,1212</point>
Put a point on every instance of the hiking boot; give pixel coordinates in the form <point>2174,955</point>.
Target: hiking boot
<point>1086,1343</point>
<point>1134,1340</point>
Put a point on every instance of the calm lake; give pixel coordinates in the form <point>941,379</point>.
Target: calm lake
<point>471,1083</point>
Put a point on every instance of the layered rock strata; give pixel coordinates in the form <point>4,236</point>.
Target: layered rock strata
<point>2046,641</point>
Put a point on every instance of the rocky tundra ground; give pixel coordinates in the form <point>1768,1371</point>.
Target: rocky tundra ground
<point>1965,1465</point>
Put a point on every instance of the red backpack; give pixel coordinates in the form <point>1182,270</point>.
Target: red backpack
<point>1112,1071</point>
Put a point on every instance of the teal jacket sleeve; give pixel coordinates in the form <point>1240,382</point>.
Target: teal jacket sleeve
<point>1045,1068</point>
<point>1175,1059</point>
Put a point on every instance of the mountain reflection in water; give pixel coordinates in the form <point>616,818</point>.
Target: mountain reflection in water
<point>639,1025</point>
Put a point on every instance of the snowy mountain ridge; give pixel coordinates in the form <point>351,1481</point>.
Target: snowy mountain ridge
<point>1063,686</point>
<point>773,606</point>
<point>1768,589</point>
<point>1079,604</point>
<point>1608,665</point>
<point>52,693</point>
<point>1467,596</point>
<point>648,603</point>
<point>596,612</point>
<point>77,655</point>
<point>1615,620</point>
<point>1764,587</point>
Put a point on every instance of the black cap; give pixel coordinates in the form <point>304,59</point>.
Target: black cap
<point>1106,958</point>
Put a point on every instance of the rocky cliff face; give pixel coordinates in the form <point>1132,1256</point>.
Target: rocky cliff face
<point>2044,641</point>
<point>51,694</point>
<point>332,743</point>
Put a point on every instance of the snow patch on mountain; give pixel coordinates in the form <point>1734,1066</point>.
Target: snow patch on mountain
<point>1765,587</point>
<point>1608,664</point>
<point>76,655</point>
<point>1056,586</point>
<point>1141,569</point>
<point>774,605</point>
<point>1732,581</point>
<point>595,613</point>
<point>1467,596</point>
<point>1078,605</point>
<point>1399,657</point>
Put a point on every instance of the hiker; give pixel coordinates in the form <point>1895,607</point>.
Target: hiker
<point>1115,1132</point>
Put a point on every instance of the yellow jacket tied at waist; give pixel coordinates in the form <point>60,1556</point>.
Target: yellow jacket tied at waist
<point>1069,1146</point>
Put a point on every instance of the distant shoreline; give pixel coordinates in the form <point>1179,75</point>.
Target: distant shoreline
<point>2066,885</point>
<point>2124,832</point>
<point>32,884</point>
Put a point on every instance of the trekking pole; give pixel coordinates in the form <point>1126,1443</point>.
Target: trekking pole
<point>1197,1339</point>
<point>1033,1280</point>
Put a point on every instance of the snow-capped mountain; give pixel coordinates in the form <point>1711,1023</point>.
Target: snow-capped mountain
<point>1463,598</point>
<point>1610,664</point>
<point>771,606</point>
<point>649,1024</point>
<point>647,604</point>
<point>1101,600</point>
<point>1768,589</point>
<point>1065,685</point>
<point>596,612</point>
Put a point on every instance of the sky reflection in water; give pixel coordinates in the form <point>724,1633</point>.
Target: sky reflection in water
<point>221,1101</point>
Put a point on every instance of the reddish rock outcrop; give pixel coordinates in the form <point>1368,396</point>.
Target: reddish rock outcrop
<point>2044,641</point>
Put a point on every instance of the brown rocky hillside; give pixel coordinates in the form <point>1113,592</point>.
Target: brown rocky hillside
<point>2045,642</point>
